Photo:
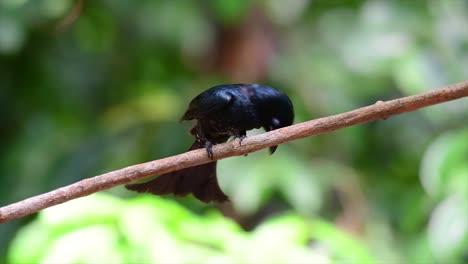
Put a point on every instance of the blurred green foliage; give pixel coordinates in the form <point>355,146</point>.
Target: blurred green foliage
<point>92,86</point>
<point>153,230</point>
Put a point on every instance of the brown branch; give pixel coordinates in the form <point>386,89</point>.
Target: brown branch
<point>377,111</point>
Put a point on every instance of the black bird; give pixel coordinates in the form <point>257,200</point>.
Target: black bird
<point>221,112</point>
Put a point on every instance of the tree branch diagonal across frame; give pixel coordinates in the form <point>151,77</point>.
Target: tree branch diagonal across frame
<point>378,111</point>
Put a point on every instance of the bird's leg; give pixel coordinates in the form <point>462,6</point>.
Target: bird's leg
<point>209,149</point>
<point>200,137</point>
<point>241,136</point>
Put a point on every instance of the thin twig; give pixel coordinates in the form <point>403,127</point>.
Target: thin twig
<point>378,111</point>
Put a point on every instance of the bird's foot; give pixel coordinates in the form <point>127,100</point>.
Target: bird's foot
<point>241,136</point>
<point>209,149</point>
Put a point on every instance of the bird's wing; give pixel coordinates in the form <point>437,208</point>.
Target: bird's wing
<point>204,105</point>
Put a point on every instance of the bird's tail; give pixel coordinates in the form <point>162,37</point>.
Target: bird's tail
<point>199,180</point>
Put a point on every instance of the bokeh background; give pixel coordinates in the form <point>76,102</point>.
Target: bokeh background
<point>88,87</point>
